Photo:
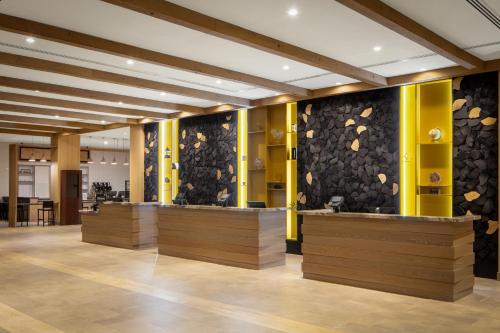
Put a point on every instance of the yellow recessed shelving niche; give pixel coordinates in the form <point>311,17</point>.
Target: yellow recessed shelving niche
<point>426,149</point>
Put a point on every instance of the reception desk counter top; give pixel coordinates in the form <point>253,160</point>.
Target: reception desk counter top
<point>243,237</point>
<point>390,217</point>
<point>424,256</point>
<point>121,224</point>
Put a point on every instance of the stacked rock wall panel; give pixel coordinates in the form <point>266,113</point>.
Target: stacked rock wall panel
<point>151,162</point>
<point>208,158</point>
<point>475,163</point>
<point>348,145</point>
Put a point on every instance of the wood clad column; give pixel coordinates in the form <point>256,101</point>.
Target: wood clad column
<point>65,155</point>
<point>13,184</point>
<point>498,207</point>
<point>136,163</point>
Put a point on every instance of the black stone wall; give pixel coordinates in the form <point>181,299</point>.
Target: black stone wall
<point>349,145</point>
<point>151,162</point>
<point>208,157</point>
<point>475,163</point>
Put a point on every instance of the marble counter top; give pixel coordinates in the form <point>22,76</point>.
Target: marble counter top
<point>232,209</point>
<point>131,203</point>
<point>328,212</point>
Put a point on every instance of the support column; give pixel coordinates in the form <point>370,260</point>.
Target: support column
<point>498,203</point>
<point>136,163</point>
<point>13,184</point>
<point>65,155</point>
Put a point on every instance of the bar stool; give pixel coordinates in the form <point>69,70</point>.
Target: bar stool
<point>22,213</point>
<point>47,206</point>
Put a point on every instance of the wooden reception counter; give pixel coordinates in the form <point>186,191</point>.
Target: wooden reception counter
<point>126,225</point>
<point>242,237</point>
<point>428,257</point>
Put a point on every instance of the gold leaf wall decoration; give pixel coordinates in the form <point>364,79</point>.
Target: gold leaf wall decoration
<point>148,170</point>
<point>151,144</point>
<point>197,144</point>
<point>382,177</point>
<point>489,121</point>
<point>456,83</point>
<point>233,179</point>
<point>308,109</point>
<point>226,126</point>
<point>458,103</point>
<point>366,112</point>
<point>349,122</point>
<point>230,168</point>
<point>189,186</point>
<point>470,196</point>
<point>234,149</point>
<point>309,134</point>
<point>199,135</point>
<point>219,174</point>
<point>181,146</point>
<point>304,117</point>
<point>361,129</point>
<point>309,178</point>
<point>395,188</point>
<point>183,133</point>
<point>355,145</point>
<point>492,227</point>
<point>203,138</point>
<point>148,136</point>
<point>146,150</point>
<point>301,197</point>
<point>474,112</point>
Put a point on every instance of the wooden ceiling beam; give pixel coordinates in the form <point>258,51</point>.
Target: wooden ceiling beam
<point>97,95</point>
<point>62,103</point>
<point>51,122</point>
<point>197,21</point>
<point>61,113</point>
<point>60,35</point>
<point>26,132</point>
<point>32,127</point>
<point>20,61</point>
<point>387,16</point>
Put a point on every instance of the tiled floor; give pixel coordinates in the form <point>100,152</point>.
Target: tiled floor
<point>52,282</point>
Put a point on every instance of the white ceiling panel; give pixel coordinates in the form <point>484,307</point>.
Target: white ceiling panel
<point>455,20</point>
<point>70,81</point>
<point>322,26</point>
<point>112,22</point>
<point>412,66</point>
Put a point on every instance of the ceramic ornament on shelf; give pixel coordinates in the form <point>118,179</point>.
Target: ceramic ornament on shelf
<point>435,177</point>
<point>277,135</point>
<point>435,134</point>
<point>258,163</point>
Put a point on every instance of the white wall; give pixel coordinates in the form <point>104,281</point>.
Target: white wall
<point>115,174</point>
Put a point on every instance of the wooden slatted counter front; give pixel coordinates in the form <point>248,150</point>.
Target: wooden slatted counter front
<point>424,256</point>
<point>243,237</point>
<point>126,225</point>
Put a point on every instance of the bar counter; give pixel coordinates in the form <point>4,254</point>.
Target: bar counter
<point>424,256</point>
<point>121,224</point>
<point>251,238</point>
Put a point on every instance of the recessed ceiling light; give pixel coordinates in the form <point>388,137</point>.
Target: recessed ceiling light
<point>218,82</point>
<point>30,40</point>
<point>37,91</point>
<point>338,83</point>
<point>285,67</point>
<point>219,104</point>
<point>292,12</point>
<point>276,94</point>
<point>163,93</point>
<point>120,102</point>
<point>423,69</point>
<point>106,142</point>
<point>405,60</point>
<point>57,116</point>
<point>377,48</point>
<point>103,121</point>
<point>130,62</point>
